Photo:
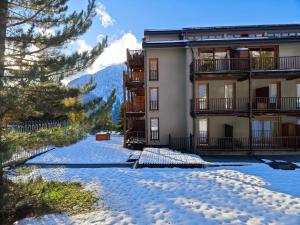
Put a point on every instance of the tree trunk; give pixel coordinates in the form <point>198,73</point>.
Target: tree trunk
<point>3,16</point>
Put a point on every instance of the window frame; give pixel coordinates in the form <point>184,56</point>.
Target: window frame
<point>158,133</point>
<point>150,70</point>
<point>150,100</point>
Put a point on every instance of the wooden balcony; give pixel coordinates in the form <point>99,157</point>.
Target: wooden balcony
<point>242,105</point>
<point>254,64</point>
<point>135,59</point>
<point>136,106</point>
<point>134,79</point>
<point>134,138</point>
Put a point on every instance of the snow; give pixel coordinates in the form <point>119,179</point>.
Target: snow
<point>253,194</point>
<point>88,151</point>
<point>166,156</point>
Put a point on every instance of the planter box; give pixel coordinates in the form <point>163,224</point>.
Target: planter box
<point>102,136</point>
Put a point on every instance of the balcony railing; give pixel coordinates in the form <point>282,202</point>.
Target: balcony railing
<point>153,105</point>
<point>135,77</point>
<point>135,137</point>
<point>246,64</point>
<point>136,106</point>
<point>270,143</point>
<point>135,58</point>
<point>223,105</point>
<point>153,75</point>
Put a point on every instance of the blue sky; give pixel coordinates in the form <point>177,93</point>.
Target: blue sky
<point>129,18</point>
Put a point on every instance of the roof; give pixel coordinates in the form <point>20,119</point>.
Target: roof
<point>213,29</point>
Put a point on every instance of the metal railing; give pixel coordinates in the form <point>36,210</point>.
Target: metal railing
<point>258,143</point>
<point>246,64</point>
<point>154,135</point>
<point>136,137</point>
<point>270,104</point>
<point>153,75</point>
<point>20,154</point>
<point>153,105</point>
<point>33,126</point>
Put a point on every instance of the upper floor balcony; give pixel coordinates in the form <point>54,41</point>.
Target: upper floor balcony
<point>136,106</point>
<point>134,79</point>
<point>135,59</point>
<point>254,64</point>
<point>200,106</point>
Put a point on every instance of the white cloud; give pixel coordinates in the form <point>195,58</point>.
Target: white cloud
<point>83,46</point>
<point>105,18</point>
<point>115,53</point>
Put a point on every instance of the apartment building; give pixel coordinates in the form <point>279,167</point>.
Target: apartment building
<point>215,90</point>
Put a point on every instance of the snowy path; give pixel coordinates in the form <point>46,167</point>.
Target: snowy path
<point>87,151</point>
<point>254,194</point>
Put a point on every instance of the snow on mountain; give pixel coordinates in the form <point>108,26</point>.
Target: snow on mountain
<point>107,79</point>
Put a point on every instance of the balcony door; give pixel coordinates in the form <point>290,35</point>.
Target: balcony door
<point>263,58</point>
<point>263,130</point>
<point>203,131</point>
<point>202,97</point>
<point>298,95</point>
<point>229,96</point>
<point>274,95</point>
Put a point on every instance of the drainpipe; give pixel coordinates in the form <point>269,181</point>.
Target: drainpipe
<point>250,109</point>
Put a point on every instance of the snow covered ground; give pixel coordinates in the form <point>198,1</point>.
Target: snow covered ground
<point>166,156</point>
<point>88,151</point>
<point>253,194</point>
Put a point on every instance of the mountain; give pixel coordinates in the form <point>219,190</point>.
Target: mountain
<point>107,79</point>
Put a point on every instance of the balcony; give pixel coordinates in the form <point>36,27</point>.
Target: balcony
<point>134,79</point>
<point>243,144</point>
<point>242,105</point>
<point>135,138</point>
<point>234,65</point>
<point>136,106</point>
<point>135,59</point>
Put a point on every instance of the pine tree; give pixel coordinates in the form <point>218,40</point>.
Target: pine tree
<point>33,38</point>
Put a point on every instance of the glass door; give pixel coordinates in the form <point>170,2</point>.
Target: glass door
<point>203,131</point>
<point>229,96</point>
<point>202,96</point>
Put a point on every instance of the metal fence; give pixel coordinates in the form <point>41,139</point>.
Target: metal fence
<point>20,154</point>
<point>33,126</point>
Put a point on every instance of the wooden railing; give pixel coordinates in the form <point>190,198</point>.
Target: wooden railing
<point>204,105</point>
<point>137,76</point>
<point>246,64</point>
<point>135,58</point>
<point>137,105</point>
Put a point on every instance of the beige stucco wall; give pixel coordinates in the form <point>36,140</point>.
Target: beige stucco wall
<point>289,50</point>
<point>171,84</point>
<point>216,87</point>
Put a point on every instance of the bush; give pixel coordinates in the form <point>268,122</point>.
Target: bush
<point>37,197</point>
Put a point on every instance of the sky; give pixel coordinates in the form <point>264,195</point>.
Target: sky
<point>124,21</point>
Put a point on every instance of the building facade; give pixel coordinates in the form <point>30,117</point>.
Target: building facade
<point>216,90</point>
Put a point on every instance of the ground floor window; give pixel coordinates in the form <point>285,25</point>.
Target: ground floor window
<point>264,129</point>
<point>154,129</point>
<point>203,130</point>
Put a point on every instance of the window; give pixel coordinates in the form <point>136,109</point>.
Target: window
<point>263,130</point>
<point>263,58</point>
<point>229,96</point>
<point>153,69</point>
<point>298,96</point>
<point>153,98</point>
<point>203,131</point>
<point>202,94</point>
<point>273,93</point>
<point>213,59</point>
<point>154,129</point>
